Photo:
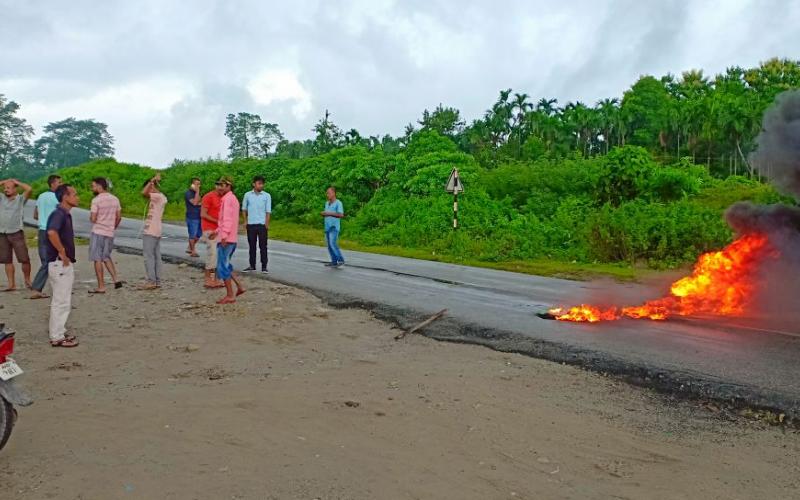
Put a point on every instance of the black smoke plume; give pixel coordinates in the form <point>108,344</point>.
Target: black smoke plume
<point>777,158</point>
<point>777,154</point>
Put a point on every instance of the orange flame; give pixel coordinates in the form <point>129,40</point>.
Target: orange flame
<point>720,284</point>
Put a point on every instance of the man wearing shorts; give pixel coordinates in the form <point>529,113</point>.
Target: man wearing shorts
<point>193,222</point>
<point>46,203</point>
<point>12,238</point>
<point>209,215</point>
<point>105,214</point>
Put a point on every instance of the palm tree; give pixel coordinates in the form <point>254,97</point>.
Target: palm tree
<point>521,105</point>
<point>547,106</point>
<point>607,111</point>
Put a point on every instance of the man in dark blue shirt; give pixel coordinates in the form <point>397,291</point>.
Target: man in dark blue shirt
<point>193,200</point>
<point>60,268</point>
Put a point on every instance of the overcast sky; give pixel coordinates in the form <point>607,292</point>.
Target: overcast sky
<point>163,74</point>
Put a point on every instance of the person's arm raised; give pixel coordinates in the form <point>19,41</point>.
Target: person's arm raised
<point>26,189</point>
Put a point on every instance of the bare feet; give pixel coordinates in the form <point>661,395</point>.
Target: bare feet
<point>226,300</point>
<point>38,295</point>
<point>240,291</point>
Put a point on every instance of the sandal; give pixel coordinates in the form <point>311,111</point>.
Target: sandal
<point>65,342</point>
<point>226,300</point>
<point>118,285</point>
<point>38,296</point>
<point>97,292</point>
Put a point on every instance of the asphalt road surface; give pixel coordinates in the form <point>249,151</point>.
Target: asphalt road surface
<point>742,362</point>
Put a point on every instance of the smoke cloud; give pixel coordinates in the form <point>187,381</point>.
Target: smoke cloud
<point>777,156</point>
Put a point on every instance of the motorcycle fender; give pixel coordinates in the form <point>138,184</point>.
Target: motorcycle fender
<point>14,394</point>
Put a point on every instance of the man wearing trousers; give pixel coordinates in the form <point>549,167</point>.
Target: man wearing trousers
<point>46,203</point>
<point>333,213</point>
<point>257,209</point>
<point>60,267</point>
<point>151,233</point>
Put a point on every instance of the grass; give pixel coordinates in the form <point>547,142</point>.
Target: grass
<point>299,233</point>
<point>307,235</point>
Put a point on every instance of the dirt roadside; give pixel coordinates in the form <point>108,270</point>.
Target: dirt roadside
<point>280,396</point>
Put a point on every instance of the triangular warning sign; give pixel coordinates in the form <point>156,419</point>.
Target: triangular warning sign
<point>454,184</point>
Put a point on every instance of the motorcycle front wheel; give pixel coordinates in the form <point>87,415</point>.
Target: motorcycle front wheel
<point>7,418</point>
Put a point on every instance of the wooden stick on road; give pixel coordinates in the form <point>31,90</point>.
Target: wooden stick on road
<point>421,325</point>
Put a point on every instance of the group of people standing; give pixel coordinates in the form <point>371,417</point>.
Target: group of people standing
<point>212,219</point>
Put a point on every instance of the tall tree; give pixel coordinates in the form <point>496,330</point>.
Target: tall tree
<point>15,136</point>
<point>72,142</point>
<point>520,106</point>
<point>444,120</point>
<point>646,108</point>
<point>250,137</point>
<point>329,135</point>
<point>607,111</point>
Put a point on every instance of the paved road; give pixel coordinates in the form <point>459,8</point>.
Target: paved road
<point>497,308</point>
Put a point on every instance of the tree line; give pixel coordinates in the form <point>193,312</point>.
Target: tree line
<point>711,120</point>
<point>62,144</point>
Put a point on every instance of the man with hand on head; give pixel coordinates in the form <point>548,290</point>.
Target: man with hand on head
<point>12,237</point>
<point>257,209</point>
<point>61,269</point>
<point>46,203</point>
<point>151,233</point>
<point>105,214</point>
<point>193,220</point>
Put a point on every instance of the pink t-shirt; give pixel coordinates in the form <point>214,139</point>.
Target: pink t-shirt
<point>228,220</point>
<point>105,206</point>
<point>152,224</point>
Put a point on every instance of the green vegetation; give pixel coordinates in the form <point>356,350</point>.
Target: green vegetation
<point>574,190</point>
<point>582,213</point>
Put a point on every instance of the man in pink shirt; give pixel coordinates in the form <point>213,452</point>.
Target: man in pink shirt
<point>227,236</point>
<point>105,214</point>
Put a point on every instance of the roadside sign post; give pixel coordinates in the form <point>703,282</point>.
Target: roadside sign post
<point>454,186</point>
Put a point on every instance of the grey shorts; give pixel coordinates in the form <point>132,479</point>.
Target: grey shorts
<point>100,248</point>
<point>13,244</point>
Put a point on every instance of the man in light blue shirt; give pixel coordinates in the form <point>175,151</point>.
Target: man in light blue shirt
<point>46,203</point>
<point>257,209</point>
<point>334,211</point>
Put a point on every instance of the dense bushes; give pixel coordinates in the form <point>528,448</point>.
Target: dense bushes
<point>622,207</point>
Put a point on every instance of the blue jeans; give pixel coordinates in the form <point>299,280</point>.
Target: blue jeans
<point>224,266</point>
<point>332,238</point>
<point>195,232</point>
<point>41,277</point>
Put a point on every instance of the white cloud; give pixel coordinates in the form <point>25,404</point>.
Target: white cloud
<point>280,85</point>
